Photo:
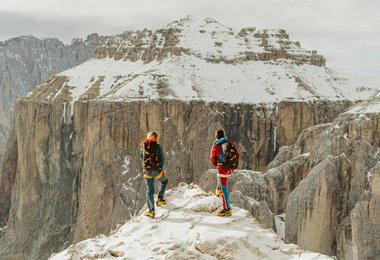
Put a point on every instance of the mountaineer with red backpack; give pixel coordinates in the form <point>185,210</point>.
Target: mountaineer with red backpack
<point>152,158</point>
<point>225,157</point>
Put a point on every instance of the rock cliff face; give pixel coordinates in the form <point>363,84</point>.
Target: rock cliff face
<point>72,169</point>
<point>81,175</point>
<point>248,189</point>
<point>26,62</point>
<point>330,203</point>
<point>326,182</point>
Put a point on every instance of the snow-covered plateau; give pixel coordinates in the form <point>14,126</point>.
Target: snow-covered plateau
<point>201,59</point>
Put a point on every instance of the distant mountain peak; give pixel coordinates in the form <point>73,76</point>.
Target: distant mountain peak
<point>208,39</point>
<point>195,21</point>
<point>201,59</point>
<point>27,61</point>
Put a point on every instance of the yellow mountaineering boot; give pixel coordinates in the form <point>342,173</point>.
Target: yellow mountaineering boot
<point>218,191</point>
<point>224,213</point>
<point>149,214</point>
<point>160,202</point>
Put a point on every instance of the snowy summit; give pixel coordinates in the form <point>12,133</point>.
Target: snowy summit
<point>201,59</point>
<point>369,106</point>
<point>187,228</point>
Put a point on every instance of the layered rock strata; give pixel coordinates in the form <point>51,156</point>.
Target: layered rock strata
<point>148,45</point>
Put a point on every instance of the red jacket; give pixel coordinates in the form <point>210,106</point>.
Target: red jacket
<point>215,155</point>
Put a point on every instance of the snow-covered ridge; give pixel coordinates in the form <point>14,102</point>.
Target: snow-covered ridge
<point>369,106</point>
<point>187,228</point>
<point>200,59</point>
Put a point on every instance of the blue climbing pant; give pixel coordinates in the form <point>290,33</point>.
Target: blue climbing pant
<point>222,182</point>
<point>149,179</point>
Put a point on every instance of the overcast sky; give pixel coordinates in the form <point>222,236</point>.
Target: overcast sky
<point>346,32</point>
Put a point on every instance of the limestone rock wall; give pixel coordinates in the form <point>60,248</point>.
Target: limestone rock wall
<point>289,168</point>
<point>78,176</point>
<point>365,221</point>
<point>333,206</point>
<point>326,182</point>
<point>266,193</point>
<point>8,174</point>
<point>27,61</point>
<point>282,180</point>
<point>294,117</point>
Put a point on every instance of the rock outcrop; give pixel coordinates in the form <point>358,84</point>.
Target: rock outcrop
<point>248,190</point>
<point>365,221</point>
<point>266,193</point>
<point>289,168</point>
<point>333,209</point>
<point>327,183</point>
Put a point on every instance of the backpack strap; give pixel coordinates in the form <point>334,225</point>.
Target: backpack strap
<point>146,140</point>
<point>221,155</point>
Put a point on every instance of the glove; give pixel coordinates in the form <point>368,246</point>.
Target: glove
<point>218,191</point>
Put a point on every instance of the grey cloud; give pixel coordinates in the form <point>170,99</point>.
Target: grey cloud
<point>13,25</point>
<point>344,31</point>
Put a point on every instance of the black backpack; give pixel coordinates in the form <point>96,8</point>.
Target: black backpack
<point>230,159</point>
<point>150,157</point>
